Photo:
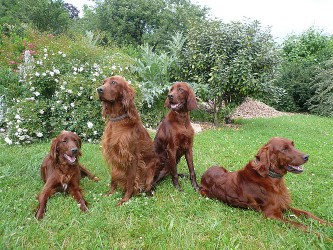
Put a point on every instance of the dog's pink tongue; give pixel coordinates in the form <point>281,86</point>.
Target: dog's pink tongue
<point>174,106</point>
<point>71,159</point>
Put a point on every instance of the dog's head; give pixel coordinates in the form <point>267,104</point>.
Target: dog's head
<point>117,95</point>
<point>181,98</point>
<point>280,156</point>
<point>66,148</point>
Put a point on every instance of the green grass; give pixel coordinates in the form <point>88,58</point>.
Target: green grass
<point>171,219</point>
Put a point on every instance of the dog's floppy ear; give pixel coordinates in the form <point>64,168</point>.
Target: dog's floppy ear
<point>54,149</point>
<point>128,94</point>
<point>263,161</point>
<point>191,100</point>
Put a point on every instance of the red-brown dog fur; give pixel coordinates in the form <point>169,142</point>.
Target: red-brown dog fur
<point>126,144</point>
<point>61,171</point>
<point>174,137</point>
<point>260,184</point>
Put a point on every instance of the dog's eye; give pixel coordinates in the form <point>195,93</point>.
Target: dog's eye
<point>284,149</point>
<point>64,141</point>
<point>113,82</point>
<point>180,89</point>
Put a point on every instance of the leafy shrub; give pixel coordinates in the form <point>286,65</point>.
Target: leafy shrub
<point>153,72</point>
<point>57,89</point>
<point>321,103</point>
<point>302,54</point>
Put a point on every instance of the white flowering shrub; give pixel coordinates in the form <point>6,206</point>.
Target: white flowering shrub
<point>56,91</point>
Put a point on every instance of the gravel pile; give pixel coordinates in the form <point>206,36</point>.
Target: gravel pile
<point>255,109</point>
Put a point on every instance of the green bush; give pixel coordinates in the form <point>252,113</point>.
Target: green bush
<point>56,89</point>
<point>321,103</point>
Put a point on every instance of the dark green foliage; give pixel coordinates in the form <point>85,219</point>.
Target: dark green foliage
<point>45,15</point>
<point>235,60</point>
<point>302,56</point>
<point>142,21</point>
<point>321,103</point>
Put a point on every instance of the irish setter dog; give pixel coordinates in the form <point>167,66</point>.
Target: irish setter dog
<point>174,137</point>
<point>61,171</point>
<point>260,185</point>
<point>126,144</point>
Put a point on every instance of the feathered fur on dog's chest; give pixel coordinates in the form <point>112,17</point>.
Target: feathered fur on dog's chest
<point>66,174</point>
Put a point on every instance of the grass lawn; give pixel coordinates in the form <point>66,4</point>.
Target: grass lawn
<point>171,219</point>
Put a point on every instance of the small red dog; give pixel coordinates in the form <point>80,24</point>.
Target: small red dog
<point>260,185</point>
<point>62,172</point>
<point>174,137</point>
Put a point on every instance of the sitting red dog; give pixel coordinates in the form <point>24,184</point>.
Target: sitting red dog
<point>62,172</point>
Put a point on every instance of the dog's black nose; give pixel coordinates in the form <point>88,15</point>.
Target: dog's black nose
<point>170,96</point>
<point>305,157</point>
<point>74,150</point>
<point>100,89</point>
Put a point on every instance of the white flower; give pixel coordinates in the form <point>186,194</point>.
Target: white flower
<point>44,74</point>
<point>75,68</point>
<point>62,87</point>
<point>36,93</point>
<point>94,79</point>
<point>57,71</point>
<point>45,50</point>
<point>72,105</point>
<point>113,67</point>
<point>51,73</point>
<point>41,111</point>
<point>64,82</point>
<point>17,117</point>
<point>32,89</point>
<point>64,55</point>
<point>39,134</point>
<point>90,124</point>
<point>80,69</point>
<point>89,140</point>
<point>19,130</point>
<point>8,141</point>
<point>69,91</point>
<point>59,52</point>
<point>37,74</point>
<point>79,93</point>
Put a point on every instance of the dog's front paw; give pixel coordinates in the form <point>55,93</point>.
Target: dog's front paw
<point>39,214</point>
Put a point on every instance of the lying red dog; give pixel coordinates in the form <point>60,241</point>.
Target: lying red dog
<point>260,185</point>
<point>62,172</point>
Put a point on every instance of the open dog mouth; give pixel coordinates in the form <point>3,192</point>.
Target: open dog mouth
<point>70,159</point>
<point>295,169</point>
<point>176,106</point>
